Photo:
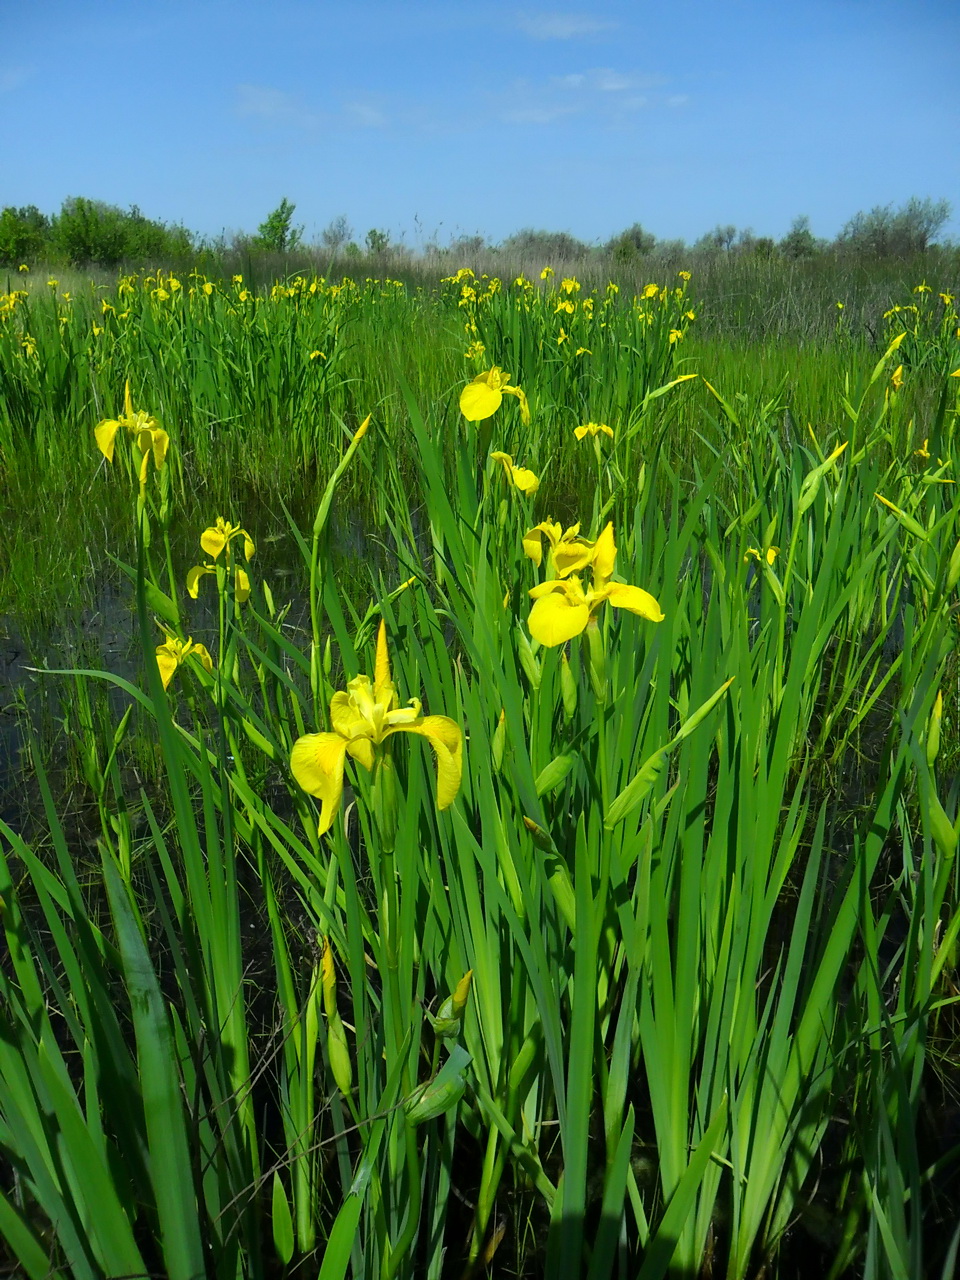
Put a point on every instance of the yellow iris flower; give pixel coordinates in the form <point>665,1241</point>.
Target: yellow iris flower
<point>364,718</point>
<point>174,651</point>
<point>523,478</point>
<point>220,535</point>
<point>563,608</point>
<point>593,429</point>
<point>482,397</point>
<point>148,435</point>
<point>218,538</point>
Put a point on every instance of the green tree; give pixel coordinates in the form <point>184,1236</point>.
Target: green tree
<point>631,243</point>
<point>545,246</point>
<point>277,233</point>
<point>885,232</point>
<point>336,233</point>
<point>377,241</point>
<point>24,234</point>
<point>799,242</point>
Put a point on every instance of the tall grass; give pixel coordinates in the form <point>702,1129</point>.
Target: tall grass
<point>669,984</point>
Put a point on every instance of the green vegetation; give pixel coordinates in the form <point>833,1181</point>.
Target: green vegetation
<point>526,838</point>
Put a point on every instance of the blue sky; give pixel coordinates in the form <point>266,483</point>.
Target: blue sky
<point>432,120</point>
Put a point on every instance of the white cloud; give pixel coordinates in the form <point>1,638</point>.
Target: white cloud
<point>364,114</point>
<point>13,77</point>
<point>285,110</point>
<point>272,106</point>
<point>561,26</point>
<point>536,115</point>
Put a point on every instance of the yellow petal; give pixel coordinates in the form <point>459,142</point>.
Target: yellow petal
<point>445,737</point>
<point>106,433</point>
<point>161,443</point>
<point>316,762</point>
<point>572,554</point>
<point>361,749</point>
<point>604,555</point>
<point>168,659</point>
<point>635,599</point>
<point>479,401</point>
<point>213,540</point>
<point>556,618</point>
<point>241,585</point>
<point>525,480</point>
<point>532,540</point>
<point>200,651</point>
<point>249,550</point>
<point>193,579</point>
<point>346,719</point>
<point>381,670</point>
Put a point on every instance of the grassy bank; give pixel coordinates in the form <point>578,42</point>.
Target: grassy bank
<point>563,899</point>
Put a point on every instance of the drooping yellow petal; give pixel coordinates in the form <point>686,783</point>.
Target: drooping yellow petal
<point>557,617</point>
<point>161,443</point>
<point>316,762</point>
<point>478,400</point>
<point>193,579</point>
<point>106,433</point>
<point>446,738</point>
<point>622,596</point>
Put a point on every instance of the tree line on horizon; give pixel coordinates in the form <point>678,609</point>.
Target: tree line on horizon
<point>91,232</point>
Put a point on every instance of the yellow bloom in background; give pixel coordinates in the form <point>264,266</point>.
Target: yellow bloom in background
<point>546,273</point>
<point>145,431</point>
<point>584,351</point>
<point>317,355</point>
<point>364,718</point>
<point>524,479</point>
<point>923,287</point>
<point>563,608</point>
<point>896,378</point>
<point>593,429</point>
<point>482,397</point>
<point>675,335</point>
<point>923,453</point>
<point>569,285</point>
<point>684,275</point>
<point>563,337</point>
<point>769,555</point>
<point>220,535</point>
<point>171,654</point>
<point>23,267</point>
